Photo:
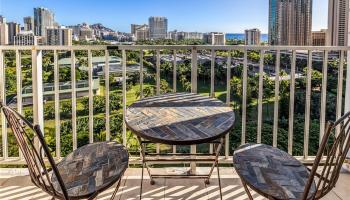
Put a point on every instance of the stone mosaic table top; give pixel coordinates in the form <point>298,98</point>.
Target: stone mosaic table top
<point>92,168</point>
<point>180,119</point>
<point>271,172</point>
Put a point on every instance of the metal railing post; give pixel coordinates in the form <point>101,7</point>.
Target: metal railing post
<point>277,98</point>
<point>57,105</point>
<point>261,94</point>
<point>194,70</point>
<point>228,101</point>
<point>244,96</point>
<point>340,89</point>
<point>307,105</point>
<point>347,89</point>
<point>124,94</point>
<point>106,70</point>
<point>291,103</point>
<point>174,72</point>
<point>3,99</point>
<point>74,101</point>
<point>194,77</point>
<point>158,86</point>
<point>19,88</point>
<point>174,82</point>
<point>212,74</point>
<point>37,85</point>
<point>141,74</point>
<point>91,98</point>
<point>323,96</point>
<point>158,73</point>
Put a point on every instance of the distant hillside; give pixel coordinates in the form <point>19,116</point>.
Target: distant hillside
<point>100,27</point>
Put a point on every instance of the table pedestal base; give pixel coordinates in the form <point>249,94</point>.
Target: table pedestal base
<point>170,158</point>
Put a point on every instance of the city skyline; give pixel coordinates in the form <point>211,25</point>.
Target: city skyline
<point>181,17</point>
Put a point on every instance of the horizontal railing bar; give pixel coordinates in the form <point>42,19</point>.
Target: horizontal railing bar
<point>236,47</point>
<point>58,48</point>
<point>178,176</point>
<point>211,142</point>
<point>179,159</point>
<point>179,47</point>
<point>180,154</point>
<point>137,160</point>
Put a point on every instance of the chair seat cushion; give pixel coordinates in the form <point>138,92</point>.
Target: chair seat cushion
<point>271,172</point>
<point>92,168</point>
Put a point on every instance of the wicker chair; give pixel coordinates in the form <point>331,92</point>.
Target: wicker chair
<point>275,174</point>
<point>83,174</point>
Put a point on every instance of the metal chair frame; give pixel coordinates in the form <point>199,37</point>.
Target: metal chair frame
<point>34,149</point>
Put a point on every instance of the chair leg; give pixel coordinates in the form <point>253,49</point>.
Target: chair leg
<point>143,165</point>
<point>93,197</point>
<point>247,190</point>
<point>116,189</point>
<point>219,180</point>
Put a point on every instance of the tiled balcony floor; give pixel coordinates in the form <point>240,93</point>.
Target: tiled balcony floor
<point>15,185</point>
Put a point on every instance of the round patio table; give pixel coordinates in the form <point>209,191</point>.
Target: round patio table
<point>180,119</point>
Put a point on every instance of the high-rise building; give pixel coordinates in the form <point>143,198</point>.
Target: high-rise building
<point>252,36</point>
<point>13,29</point>
<point>4,39</point>
<point>338,18</point>
<point>158,27</point>
<point>59,36</point>
<point>133,28</point>
<point>43,18</point>
<point>319,38</point>
<point>290,22</point>
<point>181,35</point>
<point>76,30</point>
<point>28,23</point>
<point>142,32</point>
<point>194,35</point>
<point>214,38</point>
<point>25,38</point>
<point>2,19</point>
<point>86,33</point>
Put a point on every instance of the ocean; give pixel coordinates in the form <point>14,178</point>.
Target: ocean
<point>241,36</point>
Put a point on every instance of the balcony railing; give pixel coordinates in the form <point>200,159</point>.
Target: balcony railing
<point>295,55</point>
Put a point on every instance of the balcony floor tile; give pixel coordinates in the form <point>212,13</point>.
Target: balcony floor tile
<point>20,187</point>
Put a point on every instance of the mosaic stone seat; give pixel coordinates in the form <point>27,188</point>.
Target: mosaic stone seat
<point>92,168</point>
<point>271,172</point>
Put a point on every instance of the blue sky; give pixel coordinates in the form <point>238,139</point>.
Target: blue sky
<point>231,16</point>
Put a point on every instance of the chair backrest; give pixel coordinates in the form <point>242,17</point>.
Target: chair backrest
<point>34,148</point>
<point>330,157</point>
